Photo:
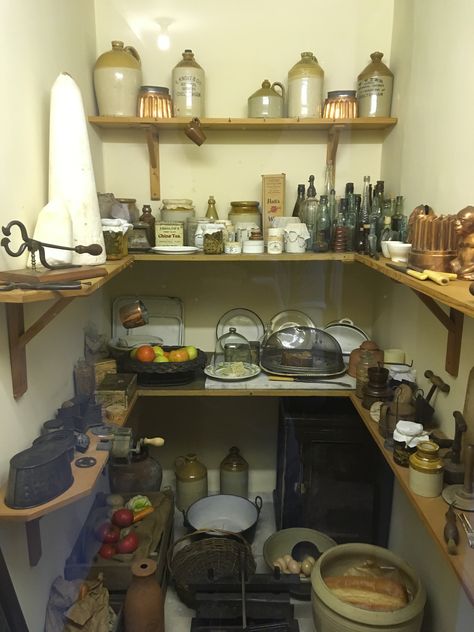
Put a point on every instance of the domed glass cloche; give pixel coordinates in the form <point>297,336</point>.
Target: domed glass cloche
<point>232,358</point>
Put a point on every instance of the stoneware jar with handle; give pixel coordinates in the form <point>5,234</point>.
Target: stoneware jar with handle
<point>191,480</point>
<point>117,80</point>
<point>267,102</point>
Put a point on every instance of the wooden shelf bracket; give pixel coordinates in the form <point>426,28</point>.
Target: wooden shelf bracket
<point>454,324</point>
<point>18,339</point>
<point>153,143</point>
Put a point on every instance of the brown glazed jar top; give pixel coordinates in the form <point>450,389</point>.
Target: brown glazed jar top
<point>120,56</point>
<point>188,468</point>
<point>234,461</point>
<point>376,67</point>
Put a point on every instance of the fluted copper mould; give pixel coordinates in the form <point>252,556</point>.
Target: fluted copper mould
<point>433,239</point>
<point>340,104</point>
<point>154,102</point>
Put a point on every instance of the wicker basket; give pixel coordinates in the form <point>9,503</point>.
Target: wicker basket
<point>205,556</point>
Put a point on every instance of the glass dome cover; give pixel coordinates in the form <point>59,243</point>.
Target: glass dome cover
<point>306,351</point>
<point>232,357</point>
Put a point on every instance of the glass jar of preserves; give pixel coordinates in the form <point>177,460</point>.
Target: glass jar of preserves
<point>367,360</point>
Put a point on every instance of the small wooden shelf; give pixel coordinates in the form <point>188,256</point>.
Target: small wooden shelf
<point>244,124</point>
<point>152,126</point>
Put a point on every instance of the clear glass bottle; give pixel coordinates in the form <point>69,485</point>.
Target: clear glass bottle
<point>300,197</point>
<point>234,474</point>
<point>188,87</point>
<point>329,183</point>
<point>310,212</point>
<point>386,234</point>
<point>211,209</point>
<point>322,233</point>
<point>365,206</point>
<point>397,218</point>
<point>351,221</point>
<point>376,215</point>
<point>366,360</point>
<point>147,218</point>
<point>360,239</point>
<point>311,192</point>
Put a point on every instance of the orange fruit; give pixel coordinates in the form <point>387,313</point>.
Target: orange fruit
<point>145,353</point>
<point>178,355</point>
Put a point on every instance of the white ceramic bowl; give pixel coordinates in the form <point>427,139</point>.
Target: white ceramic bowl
<point>384,246</point>
<point>399,251</point>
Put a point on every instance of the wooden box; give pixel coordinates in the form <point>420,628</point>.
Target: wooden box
<point>116,388</point>
<point>102,367</point>
<point>85,563</point>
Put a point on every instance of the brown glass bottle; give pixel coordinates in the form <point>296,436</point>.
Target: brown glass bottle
<point>147,218</point>
<point>299,201</point>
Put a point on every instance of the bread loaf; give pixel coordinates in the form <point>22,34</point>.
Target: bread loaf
<point>371,593</point>
<point>296,357</point>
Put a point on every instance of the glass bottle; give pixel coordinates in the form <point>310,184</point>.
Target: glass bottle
<point>188,87</point>
<point>366,360</point>
<point>329,184</point>
<point>234,474</point>
<point>211,208</point>
<point>147,218</point>
<point>339,241</point>
<point>365,207</point>
<point>310,211</point>
<point>311,192</point>
<point>386,234</point>
<point>322,233</point>
<point>366,229</point>
<point>397,218</point>
<point>372,240</point>
<point>376,215</point>
<point>300,196</point>
<point>351,221</point>
<point>360,239</point>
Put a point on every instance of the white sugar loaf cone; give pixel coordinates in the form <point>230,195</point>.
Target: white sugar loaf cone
<point>54,226</point>
<point>71,176</point>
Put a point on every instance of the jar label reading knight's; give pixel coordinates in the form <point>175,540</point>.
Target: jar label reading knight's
<point>374,95</point>
<point>167,234</point>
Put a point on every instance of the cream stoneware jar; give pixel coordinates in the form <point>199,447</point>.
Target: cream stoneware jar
<point>117,80</point>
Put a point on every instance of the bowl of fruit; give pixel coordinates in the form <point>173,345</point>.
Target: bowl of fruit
<point>163,365</point>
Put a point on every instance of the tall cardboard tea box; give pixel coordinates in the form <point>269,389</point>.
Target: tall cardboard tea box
<point>273,199</point>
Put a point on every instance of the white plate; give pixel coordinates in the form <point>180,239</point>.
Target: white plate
<point>246,322</point>
<point>348,335</point>
<point>175,250</point>
<point>252,370</point>
<point>289,318</point>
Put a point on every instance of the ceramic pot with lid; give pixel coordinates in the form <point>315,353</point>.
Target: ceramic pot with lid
<point>245,212</point>
<point>267,102</point>
<point>305,87</point>
<point>117,80</point>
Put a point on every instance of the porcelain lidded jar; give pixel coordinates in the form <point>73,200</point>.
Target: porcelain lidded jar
<point>117,80</point>
<point>305,88</point>
<point>188,87</point>
<point>374,88</point>
<point>267,102</point>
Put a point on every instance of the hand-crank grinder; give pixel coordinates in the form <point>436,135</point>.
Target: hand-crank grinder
<point>131,468</point>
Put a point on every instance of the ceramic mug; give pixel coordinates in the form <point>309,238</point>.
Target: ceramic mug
<point>194,131</point>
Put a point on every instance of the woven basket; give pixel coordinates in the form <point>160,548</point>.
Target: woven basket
<point>130,365</point>
<point>205,556</point>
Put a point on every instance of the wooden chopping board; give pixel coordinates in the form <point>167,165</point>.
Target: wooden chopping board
<point>27,275</point>
<point>468,411</point>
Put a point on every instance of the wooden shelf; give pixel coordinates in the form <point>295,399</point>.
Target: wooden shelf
<point>244,124</point>
<point>152,126</point>
<point>18,336</point>
<point>430,510</point>
<point>454,295</point>
<point>346,257</point>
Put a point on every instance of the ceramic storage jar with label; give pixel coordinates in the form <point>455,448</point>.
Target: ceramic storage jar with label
<point>374,88</point>
<point>426,470</point>
<point>188,87</point>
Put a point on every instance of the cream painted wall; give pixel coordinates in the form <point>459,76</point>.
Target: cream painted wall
<point>239,44</point>
<point>39,40</point>
<point>429,156</point>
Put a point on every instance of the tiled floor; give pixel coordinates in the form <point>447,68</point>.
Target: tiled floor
<point>178,616</point>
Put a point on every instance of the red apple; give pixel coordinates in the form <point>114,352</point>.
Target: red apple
<point>128,544</point>
<point>108,533</point>
<point>107,551</point>
<point>122,517</point>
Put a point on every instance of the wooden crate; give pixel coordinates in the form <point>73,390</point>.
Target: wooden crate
<point>84,563</point>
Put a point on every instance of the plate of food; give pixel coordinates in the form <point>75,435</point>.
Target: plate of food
<point>232,371</point>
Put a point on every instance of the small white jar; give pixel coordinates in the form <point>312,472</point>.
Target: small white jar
<point>425,476</point>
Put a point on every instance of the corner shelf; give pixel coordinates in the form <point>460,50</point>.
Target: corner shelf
<point>152,126</point>
<point>454,295</point>
<point>83,483</point>
<point>18,337</point>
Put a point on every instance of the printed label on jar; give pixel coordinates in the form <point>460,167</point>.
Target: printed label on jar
<point>169,234</point>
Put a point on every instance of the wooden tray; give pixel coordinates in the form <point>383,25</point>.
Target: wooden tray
<point>84,564</point>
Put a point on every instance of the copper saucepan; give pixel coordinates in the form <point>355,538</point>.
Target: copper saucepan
<point>133,314</point>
